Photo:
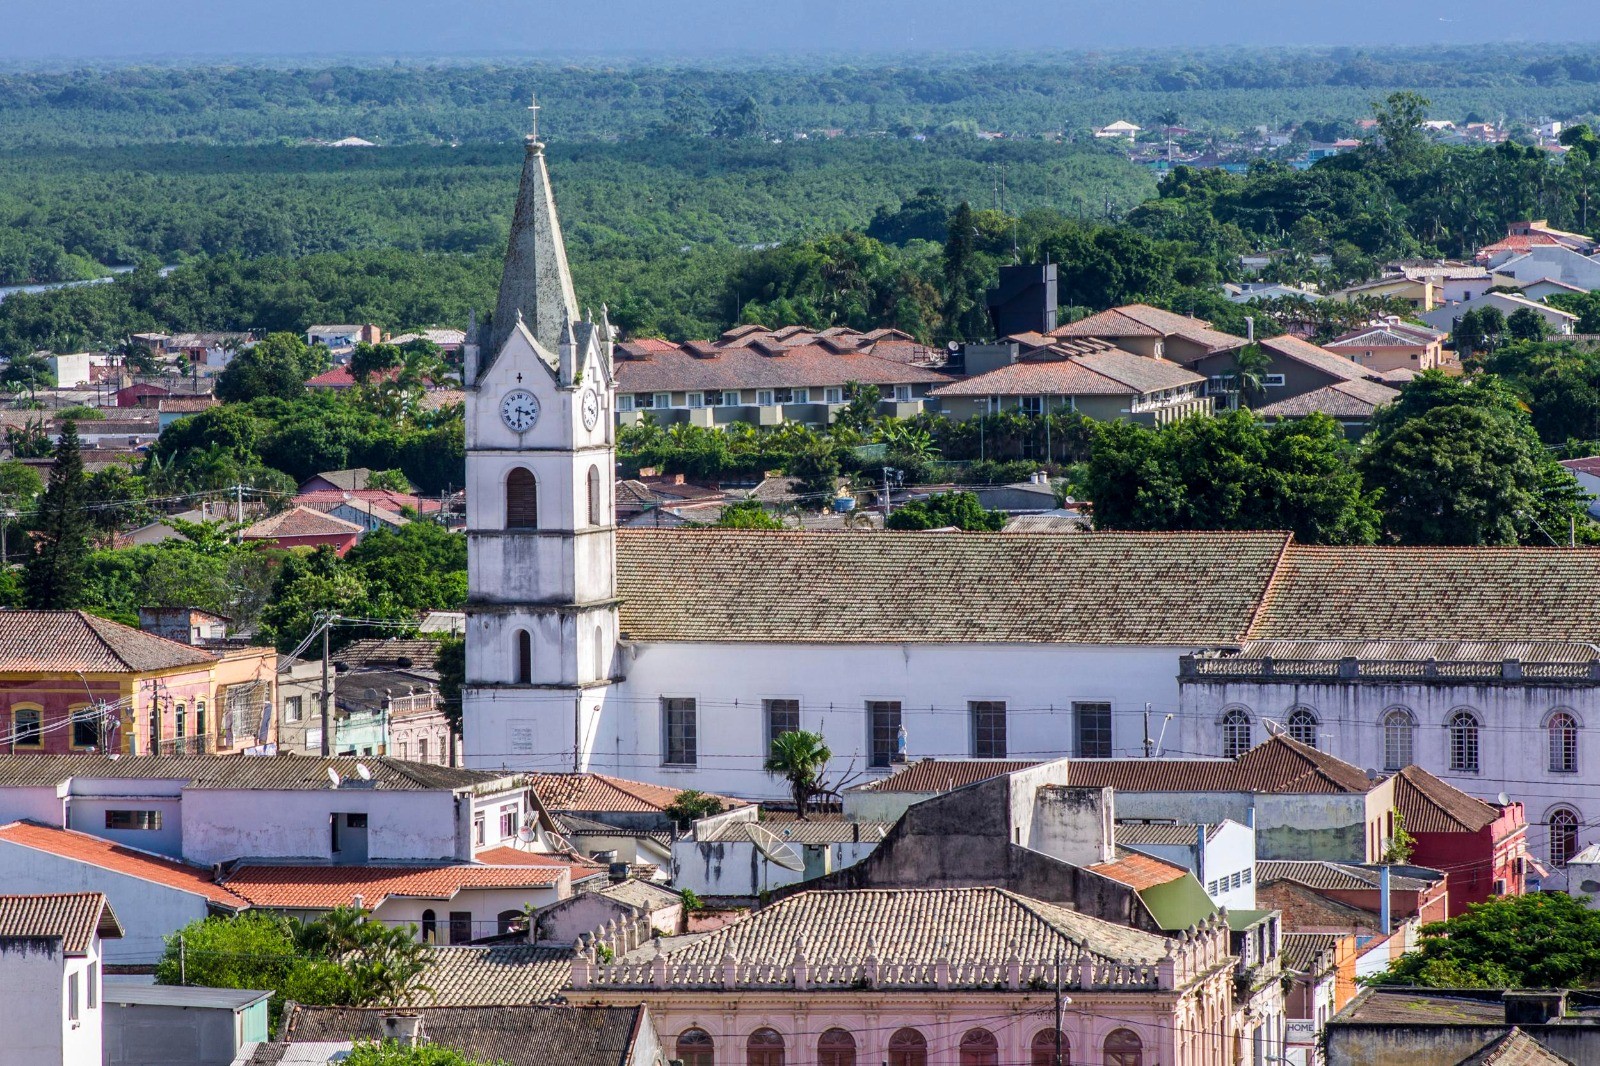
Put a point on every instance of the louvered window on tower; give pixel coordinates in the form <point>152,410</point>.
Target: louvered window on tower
<point>522,500</point>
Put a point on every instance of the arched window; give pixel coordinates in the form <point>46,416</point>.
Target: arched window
<point>199,718</point>
<point>1302,724</point>
<point>430,927</point>
<point>594,496</point>
<point>1043,1051</point>
<point>511,921</point>
<point>907,1047</point>
<point>764,1048</point>
<point>1235,733</point>
<point>524,657</point>
<point>836,1048</point>
<point>1399,729</point>
<point>1563,729</point>
<point>696,1049</point>
<point>180,718</point>
<point>980,1048</point>
<point>599,653</point>
<point>1124,1048</point>
<point>1563,835</point>
<point>1464,742</point>
<point>522,499</point>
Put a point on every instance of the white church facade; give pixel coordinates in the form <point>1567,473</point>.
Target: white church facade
<point>674,656</point>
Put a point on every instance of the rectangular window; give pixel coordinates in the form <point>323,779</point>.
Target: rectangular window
<point>663,400</point>
<point>696,399</point>
<point>902,393</point>
<point>508,820</point>
<point>833,394</point>
<point>764,398</point>
<point>27,728</point>
<point>625,401</point>
<point>460,927</point>
<point>883,717</point>
<point>1272,381</point>
<point>133,819</point>
<point>799,395</point>
<point>91,986</point>
<point>313,740</point>
<point>404,749</point>
<point>72,997</point>
<point>783,716</point>
<point>1031,405</point>
<point>422,749</point>
<point>682,737</point>
<point>988,728</point>
<point>292,709</point>
<point>730,398</point>
<point>478,824</point>
<point>1093,722</point>
<point>85,728</point>
<point>181,717</point>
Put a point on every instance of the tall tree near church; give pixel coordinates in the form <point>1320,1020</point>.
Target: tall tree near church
<point>55,570</point>
<point>799,757</point>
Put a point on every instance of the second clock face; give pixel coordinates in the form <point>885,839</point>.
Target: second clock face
<point>591,409</point>
<point>520,410</point>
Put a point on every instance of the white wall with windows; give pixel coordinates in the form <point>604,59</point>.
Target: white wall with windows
<point>1525,739</point>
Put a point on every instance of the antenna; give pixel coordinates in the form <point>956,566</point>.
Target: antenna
<point>528,833</point>
<point>362,771</point>
<point>1503,799</point>
<point>775,848</point>
<point>333,775</point>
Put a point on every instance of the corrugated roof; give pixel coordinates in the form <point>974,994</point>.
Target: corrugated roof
<point>186,996</point>
<point>511,1035</point>
<point>326,887</point>
<point>62,642</point>
<point>1392,593</point>
<point>74,918</point>
<point>919,925</point>
<point>81,847</point>
<point>602,792</point>
<point>1340,876</point>
<point>1424,1007</point>
<point>1431,806</point>
<point>281,772</point>
<point>892,587</point>
<point>1278,764</point>
<point>943,775</point>
<point>1166,834</point>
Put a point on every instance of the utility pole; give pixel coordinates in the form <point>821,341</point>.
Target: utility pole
<point>1147,743</point>
<point>1060,1061</point>
<point>327,719</point>
<point>886,505</point>
<point>238,505</point>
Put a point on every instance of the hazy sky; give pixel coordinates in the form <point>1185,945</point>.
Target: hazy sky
<point>32,29</point>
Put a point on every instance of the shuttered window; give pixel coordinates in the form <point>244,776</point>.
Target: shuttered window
<point>522,500</point>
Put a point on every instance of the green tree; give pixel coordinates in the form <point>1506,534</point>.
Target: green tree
<point>55,570</point>
<point>275,367</point>
<point>1545,940</point>
<point>394,480</point>
<point>799,757</point>
<point>1250,367</point>
<point>452,666</point>
<point>860,410</point>
<point>393,1053</point>
<point>816,463</point>
<point>370,359</point>
<point>1526,324</point>
<point>747,514</point>
<point>1400,119</point>
<point>19,481</point>
<point>691,804</point>
<point>1457,461</point>
<point>943,510</point>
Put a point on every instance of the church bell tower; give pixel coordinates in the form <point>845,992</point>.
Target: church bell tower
<point>541,542</point>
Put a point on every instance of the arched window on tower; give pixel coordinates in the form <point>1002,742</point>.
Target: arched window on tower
<point>1563,729</point>
<point>1302,725</point>
<point>595,502</point>
<point>522,499</point>
<point>524,657</point>
<point>1235,733</point>
<point>599,653</point>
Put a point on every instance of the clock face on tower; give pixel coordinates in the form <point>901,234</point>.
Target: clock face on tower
<point>591,409</point>
<point>520,410</point>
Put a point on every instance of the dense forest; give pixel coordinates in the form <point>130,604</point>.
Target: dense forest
<point>407,102</point>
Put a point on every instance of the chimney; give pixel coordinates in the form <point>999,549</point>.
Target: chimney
<point>618,872</point>
<point>403,1027</point>
<point>1534,1006</point>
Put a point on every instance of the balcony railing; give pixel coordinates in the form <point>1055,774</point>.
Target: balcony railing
<point>1266,668</point>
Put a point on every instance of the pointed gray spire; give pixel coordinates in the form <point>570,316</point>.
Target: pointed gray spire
<point>535,282</point>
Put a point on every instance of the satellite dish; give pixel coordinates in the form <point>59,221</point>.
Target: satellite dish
<point>1503,799</point>
<point>362,771</point>
<point>775,848</point>
<point>333,775</point>
<point>528,834</point>
<point>1372,775</point>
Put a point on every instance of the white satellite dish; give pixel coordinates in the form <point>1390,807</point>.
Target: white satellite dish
<point>333,775</point>
<point>362,771</point>
<point>528,833</point>
<point>775,848</point>
<point>1505,800</point>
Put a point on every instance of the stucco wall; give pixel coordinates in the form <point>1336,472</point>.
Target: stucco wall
<point>221,824</point>
<point>144,1034</point>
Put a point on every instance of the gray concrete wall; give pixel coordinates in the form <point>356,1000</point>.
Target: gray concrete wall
<point>147,1035</point>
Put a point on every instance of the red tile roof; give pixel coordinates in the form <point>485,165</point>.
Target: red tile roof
<point>321,499</point>
<point>806,366</point>
<point>325,887</point>
<point>580,867</point>
<point>81,847</point>
<point>1431,806</point>
<point>1277,765</point>
<point>1142,320</point>
<point>300,522</point>
<point>74,918</point>
<point>1139,872</point>
<point>1588,465</point>
<point>57,642</point>
<point>601,792</point>
<point>943,775</point>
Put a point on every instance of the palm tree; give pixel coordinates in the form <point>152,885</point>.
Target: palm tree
<point>1250,368</point>
<point>799,757</point>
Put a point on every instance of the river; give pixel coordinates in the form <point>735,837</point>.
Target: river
<point>7,290</point>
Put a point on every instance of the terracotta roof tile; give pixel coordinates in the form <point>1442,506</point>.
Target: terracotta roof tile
<point>279,773</point>
<point>579,867</point>
<point>1089,588</point>
<point>1318,358</point>
<point>810,831</point>
<point>942,775</point>
<point>1169,834</point>
<point>1431,806</point>
<point>81,847</point>
<point>325,887</point>
<point>1139,872</point>
<point>601,792</point>
<point>1337,876</point>
<point>1142,320</point>
<point>1101,373</point>
<point>299,522</point>
<point>495,974</point>
<point>805,366</point>
<point>1342,400</point>
<point>1515,1048</point>
<point>1301,950</point>
<point>70,917</point>
<point>67,641</point>
<point>1276,765</point>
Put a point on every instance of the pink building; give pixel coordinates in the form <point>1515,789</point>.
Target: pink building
<point>926,977</point>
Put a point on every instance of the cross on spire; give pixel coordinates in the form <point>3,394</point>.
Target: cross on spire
<point>534,107</point>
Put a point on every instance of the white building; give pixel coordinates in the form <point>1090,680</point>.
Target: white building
<point>50,977</point>
<point>1557,321</point>
<point>77,368</point>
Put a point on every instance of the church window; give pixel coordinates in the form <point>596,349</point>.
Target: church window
<point>696,1048</point>
<point>1464,742</point>
<point>783,716</point>
<point>1563,835</point>
<point>764,1048</point>
<point>1235,733</point>
<point>599,653</point>
<point>522,499</point>
<point>1398,733</point>
<point>1563,730</point>
<point>988,728</point>
<point>884,724</point>
<point>1302,725</point>
<point>524,657</point>
<point>979,1048</point>
<point>594,496</point>
<point>1093,724</point>
<point>681,731</point>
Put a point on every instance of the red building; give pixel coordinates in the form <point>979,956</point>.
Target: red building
<point>1482,848</point>
<point>301,527</point>
<point>133,395</point>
